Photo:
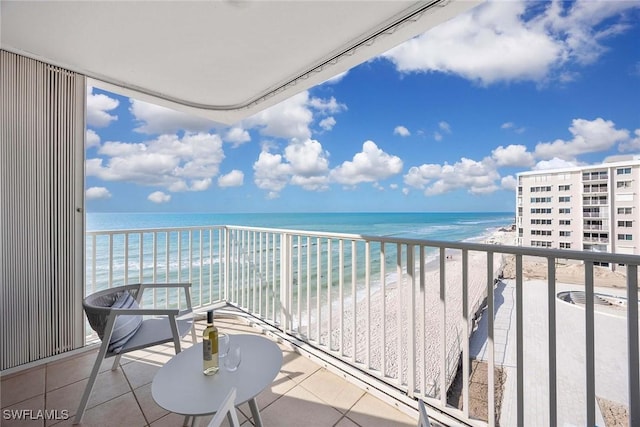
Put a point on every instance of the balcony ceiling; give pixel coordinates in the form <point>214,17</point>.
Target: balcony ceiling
<point>224,60</point>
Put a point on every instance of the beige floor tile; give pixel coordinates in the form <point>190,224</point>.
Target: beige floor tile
<point>17,388</point>
<point>334,390</point>
<point>150,408</point>
<point>121,411</point>
<point>372,412</point>
<point>281,385</point>
<point>26,413</point>
<point>299,408</point>
<point>297,367</point>
<point>169,420</point>
<point>68,371</point>
<point>346,422</point>
<point>109,384</point>
<point>141,372</point>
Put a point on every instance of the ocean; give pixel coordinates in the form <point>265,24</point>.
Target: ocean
<point>457,226</point>
<point>195,257</point>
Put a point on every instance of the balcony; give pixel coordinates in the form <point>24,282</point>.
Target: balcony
<point>483,351</point>
<point>302,389</point>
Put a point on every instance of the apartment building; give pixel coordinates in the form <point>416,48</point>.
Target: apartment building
<point>591,208</point>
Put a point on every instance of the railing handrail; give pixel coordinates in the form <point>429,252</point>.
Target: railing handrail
<point>472,246</point>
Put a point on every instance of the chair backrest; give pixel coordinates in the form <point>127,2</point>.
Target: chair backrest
<point>227,407</point>
<point>97,306</point>
<point>423,421</point>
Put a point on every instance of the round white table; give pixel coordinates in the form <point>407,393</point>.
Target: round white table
<point>181,387</point>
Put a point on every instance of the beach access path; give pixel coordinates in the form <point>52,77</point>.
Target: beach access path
<point>610,354</point>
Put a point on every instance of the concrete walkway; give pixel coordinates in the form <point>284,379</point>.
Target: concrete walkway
<point>610,358</point>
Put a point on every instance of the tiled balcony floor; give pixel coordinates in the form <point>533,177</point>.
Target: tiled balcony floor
<point>303,393</point>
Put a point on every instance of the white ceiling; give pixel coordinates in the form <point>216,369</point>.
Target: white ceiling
<point>224,60</point>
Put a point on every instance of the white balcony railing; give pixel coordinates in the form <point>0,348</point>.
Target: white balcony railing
<point>397,313</point>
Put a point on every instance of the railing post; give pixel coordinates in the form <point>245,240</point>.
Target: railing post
<point>632,342</point>
<point>551,303</point>
<point>411,333</point>
<point>227,263</point>
<point>285,266</point>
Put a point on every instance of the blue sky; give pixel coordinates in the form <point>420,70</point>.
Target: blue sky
<point>442,122</point>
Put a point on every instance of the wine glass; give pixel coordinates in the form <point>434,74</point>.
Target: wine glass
<point>233,358</point>
<point>223,344</point>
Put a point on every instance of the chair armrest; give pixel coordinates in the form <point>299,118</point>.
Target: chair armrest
<point>145,311</point>
<point>143,286</point>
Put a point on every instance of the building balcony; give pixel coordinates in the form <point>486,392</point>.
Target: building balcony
<point>464,326</point>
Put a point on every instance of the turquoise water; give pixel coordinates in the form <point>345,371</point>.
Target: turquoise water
<point>196,257</point>
<point>459,226</point>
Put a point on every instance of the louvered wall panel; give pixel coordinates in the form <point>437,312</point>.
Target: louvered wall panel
<point>42,111</point>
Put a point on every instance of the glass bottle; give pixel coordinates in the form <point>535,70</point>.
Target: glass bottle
<point>210,347</point>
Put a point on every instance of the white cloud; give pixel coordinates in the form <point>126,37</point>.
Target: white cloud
<point>476,177</point>
<point>235,178</point>
<point>95,193</point>
<point>512,41</point>
<point>237,136</point>
<point>330,106</point>
<point>588,137</point>
<point>370,165</point>
<point>98,106</point>
<point>337,78</point>
<point>509,183</point>
<point>177,164</point>
<point>307,158</point>
<point>304,163</point>
<point>555,163</point>
<point>155,119</point>
<point>292,117</point>
<point>633,144</point>
<point>159,197</point>
<point>91,138</point>
<point>437,136</point>
<point>270,173</point>
<point>512,126</point>
<point>327,123</point>
<point>288,119</point>
<point>401,130</point>
<point>512,155</point>
<point>444,126</point>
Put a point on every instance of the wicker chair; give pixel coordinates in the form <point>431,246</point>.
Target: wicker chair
<point>167,325</point>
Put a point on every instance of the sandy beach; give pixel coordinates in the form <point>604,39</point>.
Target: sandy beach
<point>391,338</point>
<point>390,344</point>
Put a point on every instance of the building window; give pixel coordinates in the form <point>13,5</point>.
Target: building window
<point>565,234</point>
<point>565,245</point>
<point>536,221</point>
<point>625,223</point>
<point>595,188</point>
<point>540,244</point>
<point>623,184</point>
<point>565,222</point>
<point>564,199</point>
<point>625,237</point>
<point>624,211</point>
<point>540,210</point>
<point>564,210</point>
<point>564,187</point>
<point>590,176</point>
<point>541,232</point>
<point>623,171</point>
<point>541,200</point>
